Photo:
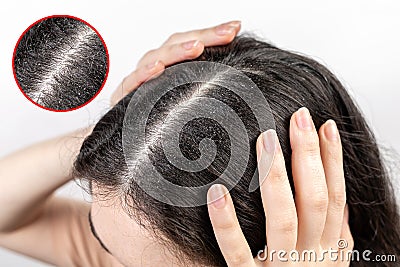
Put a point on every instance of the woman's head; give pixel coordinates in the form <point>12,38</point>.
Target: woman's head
<point>288,81</point>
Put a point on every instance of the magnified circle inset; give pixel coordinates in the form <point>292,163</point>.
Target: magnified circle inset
<point>60,63</point>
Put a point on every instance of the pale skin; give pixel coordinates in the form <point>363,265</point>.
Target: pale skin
<point>28,179</point>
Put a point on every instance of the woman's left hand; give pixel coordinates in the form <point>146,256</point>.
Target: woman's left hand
<point>316,220</point>
<point>178,47</point>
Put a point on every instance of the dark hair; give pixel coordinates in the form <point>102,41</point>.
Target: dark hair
<point>288,81</point>
<point>60,63</point>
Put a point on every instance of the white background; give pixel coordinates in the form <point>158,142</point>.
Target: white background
<point>358,40</point>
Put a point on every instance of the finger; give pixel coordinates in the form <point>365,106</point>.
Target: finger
<point>309,180</point>
<point>135,79</point>
<point>171,54</point>
<point>218,35</point>
<point>346,233</point>
<point>277,197</point>
<point>347,236</point>
<point>332,160</point>
<point>180,43</point>
<point>226,227</point>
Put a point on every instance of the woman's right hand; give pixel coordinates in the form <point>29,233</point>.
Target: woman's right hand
<point>316,220</point>
<point>178,47</point>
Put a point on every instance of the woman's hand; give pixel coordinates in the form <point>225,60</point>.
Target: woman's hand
<point>317,219</point>
<point>179,47</point>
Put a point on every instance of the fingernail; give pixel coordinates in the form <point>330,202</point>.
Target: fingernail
<point>269,141</point>
<point>265,157</point>
<point>216,196</point>
<point>303,119</point>
<point>235,23</point>
<point>331,131</point>
<point>191,44</point>
<point>225,29</point>
<point>268,145</point>
<point>152,65</point>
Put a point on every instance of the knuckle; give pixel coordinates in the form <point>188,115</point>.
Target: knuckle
<point>319,201</point>
<point>338,198</point>
<point>334,154</point>
<point>315,171</point>
<point>307,140</point>
<point>149,53</point>
<point>190,54</point>
<point>238,258</point>
<point>277,174</point>
<point>178,52</point>
<point>204,31</point>
<point>307,149</point>
<point>174,36</point>
<point>286,225</point>
<point>311,147</point>
<point>226,225</point>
